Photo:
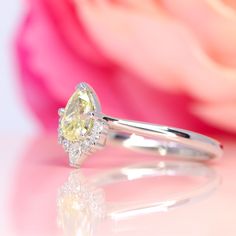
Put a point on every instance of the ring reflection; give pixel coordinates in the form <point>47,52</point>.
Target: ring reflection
<point>123,193</point>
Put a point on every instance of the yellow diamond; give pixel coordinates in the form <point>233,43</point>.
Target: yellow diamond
<point>76,123</point>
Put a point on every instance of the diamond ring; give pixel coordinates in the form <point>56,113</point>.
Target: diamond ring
<point>83,129</point>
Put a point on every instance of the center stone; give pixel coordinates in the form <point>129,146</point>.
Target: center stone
<point>75,122</point>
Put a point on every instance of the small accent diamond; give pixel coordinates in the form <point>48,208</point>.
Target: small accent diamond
<point>66,145</point>
<point>74,153</point>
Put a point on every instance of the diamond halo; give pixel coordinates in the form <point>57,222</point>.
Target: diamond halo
<point>81,127</point>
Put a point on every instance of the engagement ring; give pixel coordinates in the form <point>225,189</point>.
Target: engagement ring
<point>83,129</point>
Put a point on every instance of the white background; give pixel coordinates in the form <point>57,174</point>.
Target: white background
<point>14,115</point>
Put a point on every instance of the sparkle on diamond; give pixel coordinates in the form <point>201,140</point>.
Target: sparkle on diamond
<point>75,123</point>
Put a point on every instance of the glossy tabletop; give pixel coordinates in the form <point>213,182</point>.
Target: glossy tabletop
<point>34,168</point>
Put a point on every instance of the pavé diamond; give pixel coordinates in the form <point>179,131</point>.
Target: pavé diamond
<point>66,145</point>
<point>74,153</point>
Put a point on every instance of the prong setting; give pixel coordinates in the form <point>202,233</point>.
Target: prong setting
<point>88,143</point>
<point>82,86</point>
<point>61,111</point>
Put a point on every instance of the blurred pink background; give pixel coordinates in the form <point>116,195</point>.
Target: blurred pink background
<point>157,61</point>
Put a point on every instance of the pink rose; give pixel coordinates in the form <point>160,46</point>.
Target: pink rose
<point>170,62</point>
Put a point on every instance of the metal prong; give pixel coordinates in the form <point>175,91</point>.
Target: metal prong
<point>85,87</point>
<point>94,114</point>
<point>81,86</point>
<point>61,111</point>
<point>91,114</point>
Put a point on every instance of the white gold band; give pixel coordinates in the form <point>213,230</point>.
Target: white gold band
<point>162,140</point>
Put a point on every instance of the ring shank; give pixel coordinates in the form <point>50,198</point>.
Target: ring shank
<point>162,140</point>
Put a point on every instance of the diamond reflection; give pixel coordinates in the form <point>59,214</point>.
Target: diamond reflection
<point>80,206</point>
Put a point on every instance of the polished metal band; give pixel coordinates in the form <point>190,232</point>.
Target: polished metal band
<point>162,140</point>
